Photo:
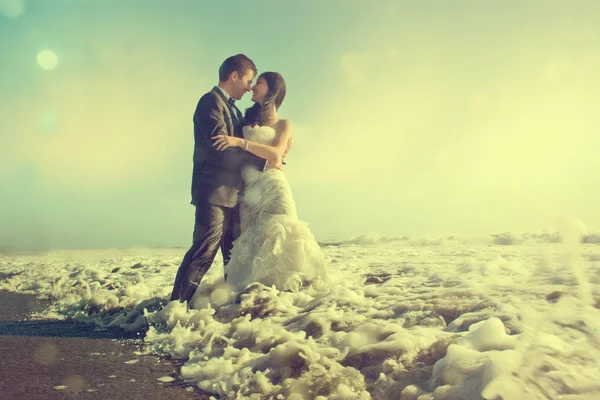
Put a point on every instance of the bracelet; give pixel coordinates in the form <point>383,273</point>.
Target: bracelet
<point>246,144</point>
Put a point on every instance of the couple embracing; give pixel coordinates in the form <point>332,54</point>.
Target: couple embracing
<point>244,204</point>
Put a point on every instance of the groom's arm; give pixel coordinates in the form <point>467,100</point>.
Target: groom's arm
<point>209,120</point>
<point>246,158</point>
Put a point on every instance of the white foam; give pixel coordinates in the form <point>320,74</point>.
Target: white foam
<point>441,317</point>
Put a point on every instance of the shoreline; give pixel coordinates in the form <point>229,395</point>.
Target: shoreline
<point>51,359</point>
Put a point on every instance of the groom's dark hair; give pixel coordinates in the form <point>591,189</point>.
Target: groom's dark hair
<point>238,63</point>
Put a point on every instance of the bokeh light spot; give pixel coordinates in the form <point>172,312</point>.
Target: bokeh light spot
<point>47,60</point>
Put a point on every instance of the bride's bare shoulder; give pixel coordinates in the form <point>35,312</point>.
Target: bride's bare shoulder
<point>283,125</point>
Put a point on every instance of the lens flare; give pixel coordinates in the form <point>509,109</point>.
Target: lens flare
<point>47,60</point>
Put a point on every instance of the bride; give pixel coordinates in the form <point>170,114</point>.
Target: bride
<point>274,247</point>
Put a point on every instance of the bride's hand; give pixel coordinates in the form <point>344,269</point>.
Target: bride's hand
<point>223,141</point>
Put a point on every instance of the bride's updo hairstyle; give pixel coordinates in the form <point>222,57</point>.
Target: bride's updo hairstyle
<point>259,114</point>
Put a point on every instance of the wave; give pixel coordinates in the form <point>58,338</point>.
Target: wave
<point>499,239</point>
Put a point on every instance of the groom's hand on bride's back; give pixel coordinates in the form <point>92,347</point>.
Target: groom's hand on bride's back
<point>279,163</point>
<point>275,164</point>
<point>287,148</point>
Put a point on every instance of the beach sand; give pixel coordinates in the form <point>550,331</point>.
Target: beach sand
<point>61,359</point>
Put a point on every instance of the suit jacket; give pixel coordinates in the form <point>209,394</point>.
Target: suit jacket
<point>216,176</point>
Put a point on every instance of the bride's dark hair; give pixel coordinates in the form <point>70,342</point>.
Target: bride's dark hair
<point>259,114</point>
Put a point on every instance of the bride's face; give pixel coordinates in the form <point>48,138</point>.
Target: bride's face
<point>259,91</point>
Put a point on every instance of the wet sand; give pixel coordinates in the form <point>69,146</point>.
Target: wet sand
<point>60,360</point>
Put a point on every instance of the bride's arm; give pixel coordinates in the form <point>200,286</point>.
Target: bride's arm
<point>273,152</point>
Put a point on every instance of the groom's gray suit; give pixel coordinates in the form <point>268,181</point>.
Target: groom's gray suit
<point>216,182</point>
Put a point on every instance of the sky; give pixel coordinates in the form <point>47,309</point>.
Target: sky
<point>409,117</point>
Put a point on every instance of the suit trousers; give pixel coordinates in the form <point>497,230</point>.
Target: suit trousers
<point>214,227</point>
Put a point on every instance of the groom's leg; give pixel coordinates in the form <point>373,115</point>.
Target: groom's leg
<point>231,233</point>
<point>207,238</point>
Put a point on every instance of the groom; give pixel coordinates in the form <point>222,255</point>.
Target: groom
<point>216,177</point>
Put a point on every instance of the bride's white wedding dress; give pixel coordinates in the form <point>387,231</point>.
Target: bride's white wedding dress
<point>275,247</point>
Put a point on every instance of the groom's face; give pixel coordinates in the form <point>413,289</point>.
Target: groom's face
<point>242,84</point>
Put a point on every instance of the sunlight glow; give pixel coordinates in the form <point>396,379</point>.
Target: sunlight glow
<point>47,60</point>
